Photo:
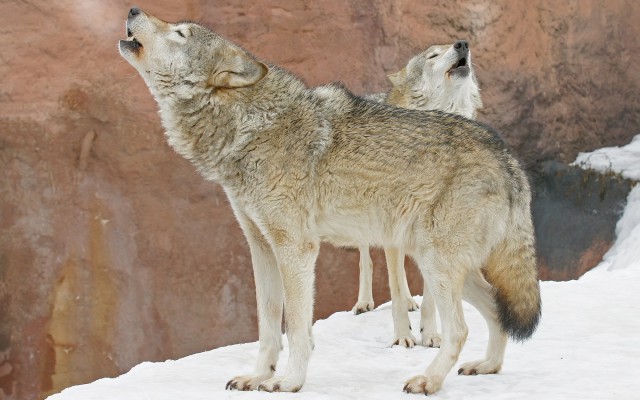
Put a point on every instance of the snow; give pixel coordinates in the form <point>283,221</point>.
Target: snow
<point>587,345</point>
<point>625,160</point>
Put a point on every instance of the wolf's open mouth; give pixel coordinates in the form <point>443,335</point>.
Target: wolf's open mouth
<point>134,42</point>
<point>461,63</point>
<point>460,68</point>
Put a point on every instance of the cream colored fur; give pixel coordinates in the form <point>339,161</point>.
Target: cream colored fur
<point>426,83</point>
<point>301,166</point>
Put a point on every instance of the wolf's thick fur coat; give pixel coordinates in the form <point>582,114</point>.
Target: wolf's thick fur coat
<point>440,78</point>
<point>304,165</point>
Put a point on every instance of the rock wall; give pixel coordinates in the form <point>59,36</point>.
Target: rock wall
<point>114,251</point>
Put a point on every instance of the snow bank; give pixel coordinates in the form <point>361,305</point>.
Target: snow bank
<point>623,160</point>
<point>625,253</point>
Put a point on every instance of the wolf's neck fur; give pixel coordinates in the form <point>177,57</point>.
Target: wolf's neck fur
<point>195,130</point>
<point>463,99</point>
<point>213,128</point>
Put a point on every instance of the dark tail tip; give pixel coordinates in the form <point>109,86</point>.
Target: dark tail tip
<point>519,324</point>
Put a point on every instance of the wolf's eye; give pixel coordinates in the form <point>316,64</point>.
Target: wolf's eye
<point>180,33</point>
<point>434,55</point>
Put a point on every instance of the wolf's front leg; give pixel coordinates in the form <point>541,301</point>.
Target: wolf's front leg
<point>365,290</point>
<point>428,324</point>
<point>404,284</point>
<point>401,324</point>
<point>296,261</point>
<point>269,295</point>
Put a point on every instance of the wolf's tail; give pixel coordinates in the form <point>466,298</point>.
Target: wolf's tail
<point>512,269</point>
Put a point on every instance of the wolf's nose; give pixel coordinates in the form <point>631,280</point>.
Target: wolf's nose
<point>461,45</point>
<point>133,12</point>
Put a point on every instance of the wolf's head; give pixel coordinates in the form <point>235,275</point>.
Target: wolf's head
<point>176,58</point>
<point>440,78</point>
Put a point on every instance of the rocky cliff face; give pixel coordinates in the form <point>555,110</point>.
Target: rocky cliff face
<point>114,251</point>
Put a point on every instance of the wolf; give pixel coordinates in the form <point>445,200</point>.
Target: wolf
<point>303,165</point>
<point>439,78</point>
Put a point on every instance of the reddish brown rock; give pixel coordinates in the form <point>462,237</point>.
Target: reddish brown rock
<point>114,251</point>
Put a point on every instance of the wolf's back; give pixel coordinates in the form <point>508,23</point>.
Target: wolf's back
<point>512,267</point>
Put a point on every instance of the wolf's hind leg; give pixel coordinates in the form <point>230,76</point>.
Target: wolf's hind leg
<point>365,290</point>
<point>269,295</point>
<point>478,292</point>
<point>445,274</point>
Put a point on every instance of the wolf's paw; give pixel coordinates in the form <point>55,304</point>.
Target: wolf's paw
<point>362,307</point>
<point>480,367</point>
<point>412,305</point>
<point>246,382</point>
<point>422,384</point>
<point>431,339</point>
<point>405,341</point>
<point>280,384</point>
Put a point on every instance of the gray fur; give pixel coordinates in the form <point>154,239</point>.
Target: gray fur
<point>301,166</point>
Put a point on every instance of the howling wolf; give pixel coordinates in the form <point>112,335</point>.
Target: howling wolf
<point>440,78</point>
<point>301,165</point>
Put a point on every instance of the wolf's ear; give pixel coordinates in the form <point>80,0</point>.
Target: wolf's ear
<point>238,70</point>
<point>399,77</point>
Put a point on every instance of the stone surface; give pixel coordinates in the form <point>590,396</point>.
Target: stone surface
<point>575,213</point>
<point>114,251</point>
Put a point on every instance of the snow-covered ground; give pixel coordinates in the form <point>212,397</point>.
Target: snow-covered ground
<point>587,345</point>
